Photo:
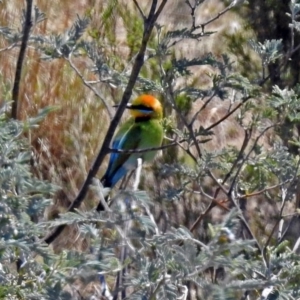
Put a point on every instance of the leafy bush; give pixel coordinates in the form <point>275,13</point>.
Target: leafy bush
<point>218,214</point>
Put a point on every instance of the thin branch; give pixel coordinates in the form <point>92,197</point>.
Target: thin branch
<point>240,155</point>
<point>138,174</point>
<point>229,195</point>
<point>8,47</point>
<point>219,14</point>
<point>284,199</point>
<point>248,155</point>
<point>226,116</point>
<point>202,108</point>
<point>88,84</point>
<point>281,211</point>
<point>244,222</point>
<point>160,9</point>
<point>170,93</point>
<point>214,202</point>
<point>211,205</point>
<point>232,197</point>
<point>142,150</point>
<point>99,188</point>
<point>16,88</point>
<point>139,9</point>
<point>247,138</point>
<point>295,50</point>
<point>221,187</point>
<point>264,190</point>
<point>150,16</point>
<point>193,8</point>
<point>175,143</point>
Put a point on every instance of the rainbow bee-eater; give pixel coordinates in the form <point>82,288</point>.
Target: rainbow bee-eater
<point>142,131</point>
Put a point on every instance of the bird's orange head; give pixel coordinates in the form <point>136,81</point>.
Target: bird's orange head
<point>145,106</point>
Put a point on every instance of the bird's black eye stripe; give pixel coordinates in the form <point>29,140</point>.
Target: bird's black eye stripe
<point>141,107</point>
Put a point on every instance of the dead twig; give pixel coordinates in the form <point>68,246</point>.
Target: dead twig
<point>16,88</point>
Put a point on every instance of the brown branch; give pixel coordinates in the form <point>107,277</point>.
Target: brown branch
<point>247,156</point>
<point>247,137</point>
<point>138,63</point>
<point>232,198</point>
<point>87,84</point>
<point>264,190</point>
<point>217,16</point>
<point>145,149</point>
<point>212,204</point>
<point>168,86</point>
<point>8,47</point>
<point>16,88</point>
<point>226,116</point>
<point>202,108</point>
<point>160,9</point>
<point>220,186</point>
<point>139,9</point>
<point>248,134</point>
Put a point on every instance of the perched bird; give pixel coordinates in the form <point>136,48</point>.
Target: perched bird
<point>142,131</point>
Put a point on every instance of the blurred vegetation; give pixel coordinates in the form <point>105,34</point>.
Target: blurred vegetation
<point>217,213</point>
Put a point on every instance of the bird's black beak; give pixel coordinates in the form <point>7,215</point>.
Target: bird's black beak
<point>127,106</point>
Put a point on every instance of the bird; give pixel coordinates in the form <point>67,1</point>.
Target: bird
<point>143,130</point>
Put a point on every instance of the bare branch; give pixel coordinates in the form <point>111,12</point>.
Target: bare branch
<point>138,174</point>
<point>161,7</point>
<point>25,37</point>
<point>212,204</point>
<point>139,9</point>
<point>218,15</point>
<point>247,156</point>
<point>240,155</point>
<point>264,190</point>
<point>226,116</point>
<point>170,93</point>
<point>88,84</point>
<point>202,108</point>
<point>8,47</point>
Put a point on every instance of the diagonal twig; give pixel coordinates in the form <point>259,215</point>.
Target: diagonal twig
<point>87,84</point>
<point>139,9</point>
